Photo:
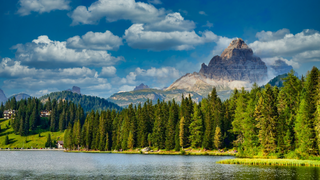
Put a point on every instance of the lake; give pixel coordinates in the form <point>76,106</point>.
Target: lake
<point>61,165</point>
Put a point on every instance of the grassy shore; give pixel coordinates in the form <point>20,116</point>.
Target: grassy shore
<point>271,162</point>
<point>31,141</point>
<point>192,152</point>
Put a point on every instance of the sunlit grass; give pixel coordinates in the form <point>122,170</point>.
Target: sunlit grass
<point>30,141</point>
<point>271,162</point>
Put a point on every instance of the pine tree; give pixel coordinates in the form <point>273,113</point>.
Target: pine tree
<point>130,141</point>
<point>182,135</point>
<point>6,141</point>
<point>171,126</point>
<point>49,142</point>
<point>196,128</point>
<point>217,138</point>
<point>77,134</point>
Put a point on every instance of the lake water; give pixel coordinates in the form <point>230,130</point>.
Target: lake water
<point>61,165</point>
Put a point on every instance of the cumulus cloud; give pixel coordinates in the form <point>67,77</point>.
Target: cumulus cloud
<point>95,41</point>
<point>160,76</point>
<point>272,60</point>
<point>113,10</point>
<point>108,71</point>
<point>265,36</point>
<point>138,38</point>
<point>288,46</point>
<point>43,52</point>
<point>307,56</point>
<point>41,6</point>
<point>172,22</point>
<point>41,81</point>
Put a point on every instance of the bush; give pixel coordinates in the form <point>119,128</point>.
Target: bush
<point>182,152</point>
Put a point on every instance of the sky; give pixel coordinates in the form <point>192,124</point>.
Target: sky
<point>107,46</point>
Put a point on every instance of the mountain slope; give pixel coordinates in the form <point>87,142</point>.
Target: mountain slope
<point>88,103</point>
<point>3,97</point>
<point>20,96</point>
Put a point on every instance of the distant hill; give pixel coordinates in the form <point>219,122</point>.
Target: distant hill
<point>20,96</point>
<point>88,103</point>
<point>277,81</point>
<point>3,97</point>
<point>140,96</point>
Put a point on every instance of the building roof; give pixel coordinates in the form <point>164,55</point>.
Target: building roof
<point>60,142</point>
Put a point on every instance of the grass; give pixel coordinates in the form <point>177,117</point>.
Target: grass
<point>271,162</point>
<point>30,141</point>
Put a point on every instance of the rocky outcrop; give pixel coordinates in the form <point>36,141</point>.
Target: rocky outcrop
<point>3,97</point>
<point>236,62</point>
<point>141,86</point>
<point>76,89</point>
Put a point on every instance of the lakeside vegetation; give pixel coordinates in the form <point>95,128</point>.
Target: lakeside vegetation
<point>271,162</point>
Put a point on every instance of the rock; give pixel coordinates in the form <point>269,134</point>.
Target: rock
<point>236,62</point>
<point>141,86</point>
<point>3,97</point>
<point>76,89</point>
<point>146,149</point>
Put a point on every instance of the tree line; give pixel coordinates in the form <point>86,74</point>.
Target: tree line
<point>27,118</point>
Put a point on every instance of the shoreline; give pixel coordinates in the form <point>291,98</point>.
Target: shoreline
<point>32,149</point>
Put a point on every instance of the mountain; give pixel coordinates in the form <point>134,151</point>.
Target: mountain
<point>141,86</point>
<point>280,67</point>
<point>20,96</point>
<point>75,89</point>
<point>88,103</point>
<point>3,97</point>
<point>236,67</point>
<point>278,80</point>
<point>123,99</point>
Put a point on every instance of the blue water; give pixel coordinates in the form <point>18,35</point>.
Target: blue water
<point>61,165</point>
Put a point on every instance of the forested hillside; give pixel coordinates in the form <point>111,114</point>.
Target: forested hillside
<point>88,103</point>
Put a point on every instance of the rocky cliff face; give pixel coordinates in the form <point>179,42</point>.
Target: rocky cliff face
<point>3,97</point>
<point>76,89</point>
<point>236,62</point>
<point>140,87</point>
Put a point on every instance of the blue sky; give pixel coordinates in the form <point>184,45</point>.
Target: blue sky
<point>106,46</point>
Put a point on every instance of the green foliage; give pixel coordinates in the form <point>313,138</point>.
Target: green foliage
<point>6,141</point>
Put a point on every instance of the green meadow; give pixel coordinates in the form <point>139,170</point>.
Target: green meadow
<point>31,141</point>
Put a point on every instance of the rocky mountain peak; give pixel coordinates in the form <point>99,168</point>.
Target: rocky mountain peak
<point>140,87</point>
<point>236,62</point>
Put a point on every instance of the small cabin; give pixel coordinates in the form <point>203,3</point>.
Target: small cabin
<point>45,113</point>
<point>60,145</point>
<point>8,114</point>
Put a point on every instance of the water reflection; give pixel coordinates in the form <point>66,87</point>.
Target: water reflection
<point>60,165</point>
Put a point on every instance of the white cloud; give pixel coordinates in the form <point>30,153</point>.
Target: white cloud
<point>159,76</point>
<point>95,41</point>
<point>172,22</point>
<point>42,81</point>
<point>125,88</point>
<point>154,2</point>
<point>109,71</point>
<point>202,13</point>
<point>113,10</point>
<point>43,52</point>
<point>307,56</point>
<point>222,43</point>
<point>265,36</point>
<point>209,25</point>
<point>41,6</point>
<point>271,61</point>
<point>138,38</point>
<point>288,46</point>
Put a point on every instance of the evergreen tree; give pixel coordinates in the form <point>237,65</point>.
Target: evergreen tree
<point>182,134</point>
<point>196,128</point>
<point>130,141</point>
<point>6,141</point>
<point>49,142</point>
<point>217,138</point>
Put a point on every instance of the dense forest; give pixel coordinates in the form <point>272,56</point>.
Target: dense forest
<point>268,121</point>
<point>27,119</point>
<point>88,103</point>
